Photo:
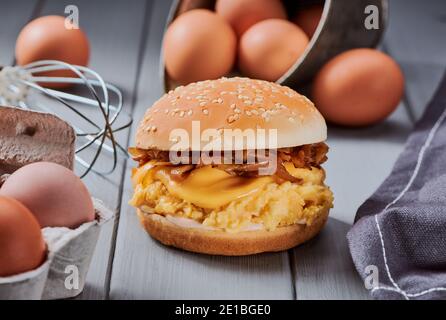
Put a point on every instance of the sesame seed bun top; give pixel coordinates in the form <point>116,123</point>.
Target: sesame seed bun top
<point>232,103</point>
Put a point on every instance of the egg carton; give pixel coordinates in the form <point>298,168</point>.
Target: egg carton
<point>64,272</point>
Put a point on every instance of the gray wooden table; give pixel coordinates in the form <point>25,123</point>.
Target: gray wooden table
<point>125,38</point>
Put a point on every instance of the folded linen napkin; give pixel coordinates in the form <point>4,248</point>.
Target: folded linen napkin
<point>398,241</point>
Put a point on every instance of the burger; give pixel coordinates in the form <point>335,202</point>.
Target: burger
<point>231,167</point>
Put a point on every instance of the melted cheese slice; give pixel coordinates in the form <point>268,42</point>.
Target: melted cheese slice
<point>211,188</point>
<point>205,187</point>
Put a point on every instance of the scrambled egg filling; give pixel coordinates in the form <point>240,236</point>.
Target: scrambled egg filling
<point>214,198</point>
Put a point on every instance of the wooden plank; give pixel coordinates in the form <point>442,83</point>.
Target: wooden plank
<point>359,160</point>
<point>422,80</point>
<point>13,17</point>
<point>324,269</point>
<point>115,31</point>
<point>416,39</point>
<point>415,29</point>
<point>144,269</point>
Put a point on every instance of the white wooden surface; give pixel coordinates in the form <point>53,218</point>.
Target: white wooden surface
<point>13,15</point>
<point>128,264</point>
<point>418,29</point>
<point>169,273</point>
<point>105,22</point>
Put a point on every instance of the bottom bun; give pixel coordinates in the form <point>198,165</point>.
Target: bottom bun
<point>231,244</point>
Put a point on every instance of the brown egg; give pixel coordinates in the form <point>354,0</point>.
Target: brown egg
<point>243,14</point>
<point>269,48</point>
<point>22,247</point>
<point>358,87</point>
<point>47,38</point>
<point>199,45</point>
<point>308,18</point>
<point>53,193</point>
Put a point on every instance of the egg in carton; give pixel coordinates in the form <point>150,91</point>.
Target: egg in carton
<point>25,286</point>
<point>27,137</point>
<point>72,251</point>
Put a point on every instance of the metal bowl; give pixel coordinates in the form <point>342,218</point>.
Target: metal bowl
<point>342,27</point>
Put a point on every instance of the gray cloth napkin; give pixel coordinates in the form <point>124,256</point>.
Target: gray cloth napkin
<point>398,241</point>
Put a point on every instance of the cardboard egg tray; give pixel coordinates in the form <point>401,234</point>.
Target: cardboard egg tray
<point>64,272</point>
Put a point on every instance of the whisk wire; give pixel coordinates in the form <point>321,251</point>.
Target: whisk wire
<point>15,83</point>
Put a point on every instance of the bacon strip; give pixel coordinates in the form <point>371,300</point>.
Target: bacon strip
<point>306,156</point>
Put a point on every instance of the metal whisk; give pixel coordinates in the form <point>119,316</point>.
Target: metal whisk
<point>18,82</point>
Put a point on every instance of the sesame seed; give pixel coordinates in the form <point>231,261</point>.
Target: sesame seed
<point>237,110</point>
<point>151,129</point>
<point>202,104</point>
<point>182,114</point>
<point>231,119</point>
<point>190,112</point>
<point>233,106</point>
<point>205,111</point>
<point>248,102</point>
